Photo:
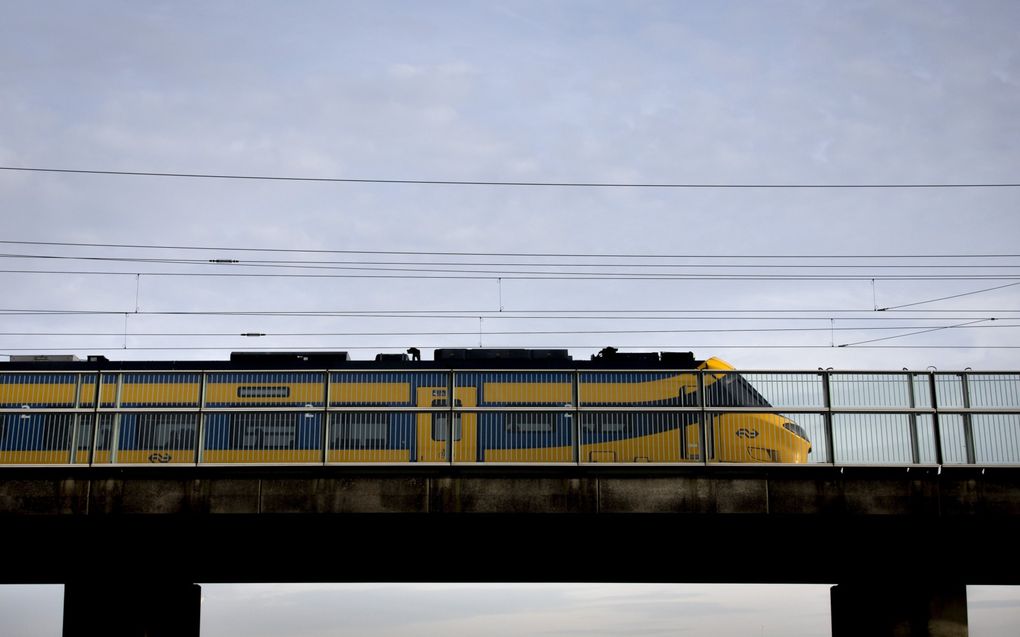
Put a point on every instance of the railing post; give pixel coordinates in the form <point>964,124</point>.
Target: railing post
<point>451,401</point>
<point>827,397</point>
<point>117,417</point>
<point>76,420</point>
<point>325,418</point>
<point>577,416</point>
<point>200,429</point>
<point>968,427</point>
<point>936,428</point>
<point>703,443</point>
<point>95,416</point>
<point>915,454</point>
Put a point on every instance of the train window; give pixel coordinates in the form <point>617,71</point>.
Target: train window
<point>264,430</point>
<point>439,420</point>
<point>686,399</point>
<point>263,392</point>
<point>167,430</point>
<point>361,431</point>
<point>84,434</point>
<point>606,423</point>
<point>104,437</point>
<point>613,427</point>
<point>57,431</point>
<point>531,423</point>
<point>733,390</point>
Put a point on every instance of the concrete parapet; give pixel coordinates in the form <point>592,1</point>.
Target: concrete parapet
<point>701,494</point>
<point>378,494</point>
<point>476,493</point>
<point>766,490</point>
<point>27,495</point>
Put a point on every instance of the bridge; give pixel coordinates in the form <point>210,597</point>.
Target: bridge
<point>910,492</point>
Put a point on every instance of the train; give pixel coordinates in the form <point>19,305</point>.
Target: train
<point>508,406</point>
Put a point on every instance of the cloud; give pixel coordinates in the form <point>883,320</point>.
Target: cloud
<point>829,93</point>
<point>501,609</point>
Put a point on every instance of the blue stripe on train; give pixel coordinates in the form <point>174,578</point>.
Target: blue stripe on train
<point>35,432</point>
<point>37,379</point>
<point>229,431</point>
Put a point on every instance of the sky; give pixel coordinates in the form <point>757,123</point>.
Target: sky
<point>595,92</point>
<point>507,610</point>
<point>721,93</point>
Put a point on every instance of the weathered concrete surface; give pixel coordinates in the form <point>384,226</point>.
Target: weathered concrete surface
<point>991,492</point>
<point>815,491</point>
<point>802,524</point>
<point>534,493</point>
<point>155,496</point>
<point>678,494</point>
<point>380,494</point>
<point>911,493</point>
<point>222,496</point>
<point>806,495</point>
<point>49,495</point>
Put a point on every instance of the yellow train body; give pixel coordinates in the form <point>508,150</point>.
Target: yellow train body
<point>398,416</point>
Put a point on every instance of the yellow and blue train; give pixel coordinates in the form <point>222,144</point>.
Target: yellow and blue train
<point>508,406</point>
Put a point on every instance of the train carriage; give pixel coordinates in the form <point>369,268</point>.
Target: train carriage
<point>466,406</point>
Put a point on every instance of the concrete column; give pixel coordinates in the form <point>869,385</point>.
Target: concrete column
<point>908,609</point>
<point>131,609</point>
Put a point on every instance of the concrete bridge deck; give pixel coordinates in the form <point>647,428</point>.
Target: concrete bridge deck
<point>538,523</point>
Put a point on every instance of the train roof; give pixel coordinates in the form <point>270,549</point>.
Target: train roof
<point>444,358</point>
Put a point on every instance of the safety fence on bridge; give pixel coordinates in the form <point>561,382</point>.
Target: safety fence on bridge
<point>565,416</point>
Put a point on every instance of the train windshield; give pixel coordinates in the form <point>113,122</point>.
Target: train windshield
<point>733,390</point>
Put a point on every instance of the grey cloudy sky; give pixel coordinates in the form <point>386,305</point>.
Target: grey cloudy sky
<point>555,610</point>
<point>640,92</point>
<point>767,92</point>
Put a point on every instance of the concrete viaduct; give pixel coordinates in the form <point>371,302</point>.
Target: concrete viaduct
<point>901,544</point>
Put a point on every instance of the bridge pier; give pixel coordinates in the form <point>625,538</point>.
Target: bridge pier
<point>907,609</point>
<point>131,609</point>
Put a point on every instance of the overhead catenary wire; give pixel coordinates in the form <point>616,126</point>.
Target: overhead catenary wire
<point>422,265</point>
<point>470,269</point>
<point>502,332</point>
<point>344,347</point>
<point>539,276</point>
<point>622,315</point>
<point>505,183</point>
<point>600,319</point>
<point>946,298</point>
<point>924,331</point>
<point>617,255</point>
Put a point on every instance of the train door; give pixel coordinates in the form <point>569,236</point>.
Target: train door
<point>433,427</point>
<point>691,439</point>
<point>465,447</point>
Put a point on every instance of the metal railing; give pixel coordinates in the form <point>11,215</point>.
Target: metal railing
<point>498,416</point>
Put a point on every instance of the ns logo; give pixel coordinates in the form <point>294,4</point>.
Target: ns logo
<point>747,433</point>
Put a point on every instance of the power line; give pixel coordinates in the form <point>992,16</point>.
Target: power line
<point>623,315</point>
<point>925,331</point>
<point>503,332</point>
<point>510,254</point>
<point>544,184</point>
<point>421,265</point>
<point>671,346</point>
<point>542,276</point>
<point>946,298</point>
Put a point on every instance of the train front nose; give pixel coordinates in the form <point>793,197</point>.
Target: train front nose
<point>795,444</point>
<point>773,438</point>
